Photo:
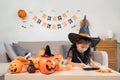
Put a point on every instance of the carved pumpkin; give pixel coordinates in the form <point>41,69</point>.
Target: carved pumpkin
<point>22,14</point>
<point>15,66</point>
<point>59,66</point>
<point>59,61</point>
<point>59,58</point>
<point>47,65</point>
<point>23,60</point>
<point>47,62</point>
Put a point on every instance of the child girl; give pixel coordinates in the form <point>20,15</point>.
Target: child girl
<point>80,51</point>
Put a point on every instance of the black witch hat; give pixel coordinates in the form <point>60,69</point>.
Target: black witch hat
<point>48,51</point>
<point>84,32</point>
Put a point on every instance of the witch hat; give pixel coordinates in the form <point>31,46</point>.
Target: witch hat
<point>48,51</point>
<point>84,27</point>
<point>84,33</point>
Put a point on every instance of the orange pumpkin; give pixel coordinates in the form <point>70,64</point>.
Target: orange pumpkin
<point>47,65</point>
<point>41,52</point>
<point>47,62</point>
<point>22,14</point>
<point>59,66</point>
<point>68,67</point>
<point>15,66</point>
<point>22,59</point>
<point>36,61</point>
<point>59,57</point>
<point>59,61</point>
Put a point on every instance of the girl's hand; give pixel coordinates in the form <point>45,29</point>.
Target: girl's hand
<point>82,65</point>
<point>92,64</point>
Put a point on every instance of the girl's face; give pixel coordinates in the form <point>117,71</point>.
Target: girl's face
<point>82,47</point>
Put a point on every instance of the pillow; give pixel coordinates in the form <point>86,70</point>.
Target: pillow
<point>10,51</point>
<point>66,48</point>
<point>20,51</point>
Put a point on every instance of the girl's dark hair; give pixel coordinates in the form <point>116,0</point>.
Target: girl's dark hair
<point>83,40</point>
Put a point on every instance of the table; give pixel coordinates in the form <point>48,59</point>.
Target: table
<point>74,74</point>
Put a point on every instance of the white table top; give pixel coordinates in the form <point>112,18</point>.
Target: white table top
<point>74,74</point>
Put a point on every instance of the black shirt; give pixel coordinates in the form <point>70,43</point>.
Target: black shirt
<point>78,57</point>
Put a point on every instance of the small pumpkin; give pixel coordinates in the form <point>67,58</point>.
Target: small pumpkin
<point>47,62</point>
<point>68,67</point>
<point>36,61</point>
<point>59,61</point>
<point>41,52</point>
<point>22,59</point>
<point>15,66</point>
<point>59,66</point>
<point>22,14</point>
<point>59,57</point>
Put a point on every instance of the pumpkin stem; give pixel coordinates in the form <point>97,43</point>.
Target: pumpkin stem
<point>48,51</point>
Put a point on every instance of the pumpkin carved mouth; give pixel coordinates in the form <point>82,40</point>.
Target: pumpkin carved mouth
<point>52,68</point>
<point>15,69</point>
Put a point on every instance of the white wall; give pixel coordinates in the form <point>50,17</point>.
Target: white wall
<point>103,15</point>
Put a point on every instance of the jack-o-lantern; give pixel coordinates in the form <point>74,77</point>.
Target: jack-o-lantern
<point>15,66</point>
<point>23,60</point>
<point>47,62</point>
<point>22,14</point>
<point>59,61</point>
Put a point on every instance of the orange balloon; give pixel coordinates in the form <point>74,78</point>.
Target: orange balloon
<point>87,21</point>
<point>22,14</point>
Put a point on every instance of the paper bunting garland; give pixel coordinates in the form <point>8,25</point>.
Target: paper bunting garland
<point>54,21</point>
<point>58,22</point>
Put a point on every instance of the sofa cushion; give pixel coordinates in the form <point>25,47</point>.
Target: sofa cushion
<point>10,51</point>
<point>20,51</point>
<point>35,47</point>
<point>66,48</point>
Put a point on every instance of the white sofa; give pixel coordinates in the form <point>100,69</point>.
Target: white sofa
<point>56,47</point>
